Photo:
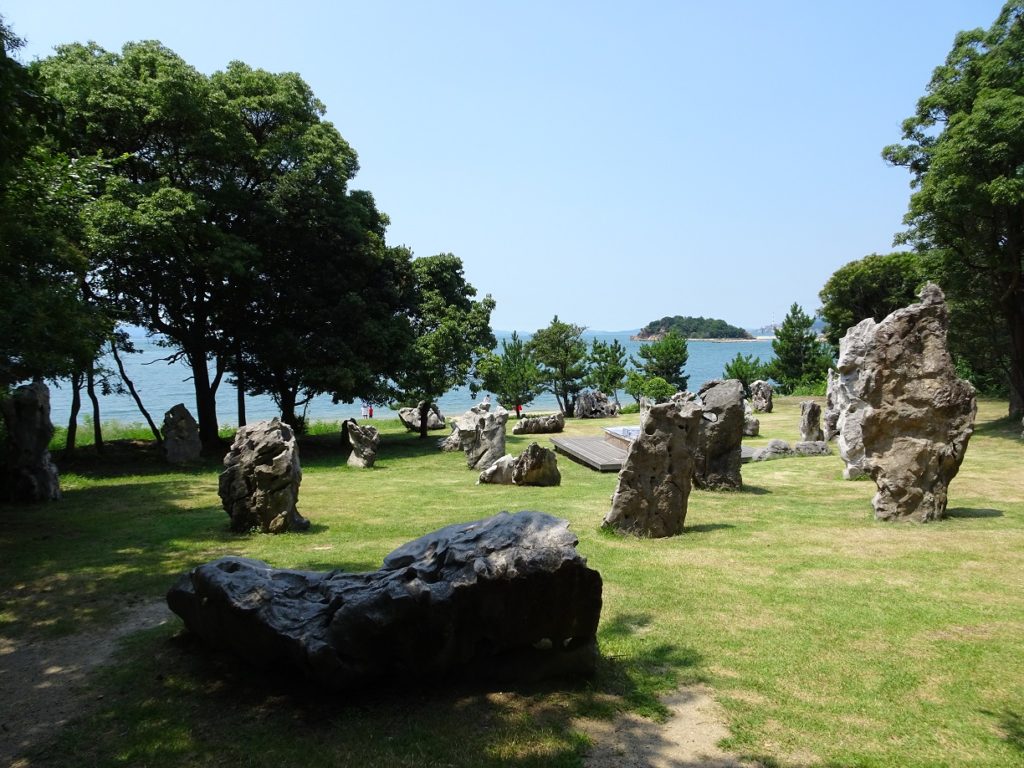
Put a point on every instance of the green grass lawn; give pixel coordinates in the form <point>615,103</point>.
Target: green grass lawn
<point>828,638</point>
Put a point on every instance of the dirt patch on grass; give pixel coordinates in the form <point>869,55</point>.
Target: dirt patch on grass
<point>44,683</point>
<point>687,739</point>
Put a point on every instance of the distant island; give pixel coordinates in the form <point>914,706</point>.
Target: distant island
<point>691,328</point>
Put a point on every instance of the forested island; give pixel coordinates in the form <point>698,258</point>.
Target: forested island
<point>691,328</point>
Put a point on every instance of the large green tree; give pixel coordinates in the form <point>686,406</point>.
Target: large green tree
<point>607,362</point>
<point>451,332</point>
<point>665,358</point>
<point>513,376</point>
<point>800,359</point>
<point>871,287</point>
<point>562,354</point>
<point>964,148</point>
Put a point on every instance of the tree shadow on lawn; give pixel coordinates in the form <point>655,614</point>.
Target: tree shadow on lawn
<point>1011,727</point>
<point>1008,428</point>
<point>172,700</point>
<point>965,513</point>
<point>121,458</point>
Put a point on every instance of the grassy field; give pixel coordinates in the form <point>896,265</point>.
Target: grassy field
<point>828,638</point>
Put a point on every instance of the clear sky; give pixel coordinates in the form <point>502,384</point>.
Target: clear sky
<point>609,162</point>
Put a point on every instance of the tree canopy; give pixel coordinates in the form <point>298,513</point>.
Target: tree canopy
<point>964,148</point>
<point>562,354</point>
<point>800,359</point>
<point>693,328</point>
<point>666,359</point>
<point>513,376</point>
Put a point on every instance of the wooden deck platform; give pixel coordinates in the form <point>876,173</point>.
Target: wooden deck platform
<point>596,452</point>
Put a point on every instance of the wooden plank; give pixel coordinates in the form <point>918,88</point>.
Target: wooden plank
<point>595,452</point>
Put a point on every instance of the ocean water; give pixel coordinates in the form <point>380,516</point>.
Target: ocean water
<point>162,385</point>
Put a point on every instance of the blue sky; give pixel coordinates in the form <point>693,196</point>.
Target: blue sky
<point>608,162</point>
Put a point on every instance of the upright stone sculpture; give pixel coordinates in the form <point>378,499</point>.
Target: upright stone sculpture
<point>751,424</point>
<point>181,436</point>
<point>761,396</point>
<point>259,486</point>
<point>410,417</point>
<point>831,417</point>
<point>364,441</point>
<point>654,482</point>
<point>31,474</point>
<point>810,422</point>
<point>591,404</point>
<point>536,466</point>
<point>902,398</point>
<point>507,597</point>
<point>719,451</point>
<point>540,425</point>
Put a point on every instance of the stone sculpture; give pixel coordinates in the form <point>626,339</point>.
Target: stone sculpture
<point>410,417</point>
<point>31,475</point>
<point>751,425</point>
<point>540,425</point>
<point>776,449</point>
<point>482,436</point>
<point>831,417</point>
<point>364,441</point>
<point>181,436</point>
<point>906,418</point>
<point>591,404</point>
<point>500,472</point>
<point>536,466</point>
<point>654,482</point>
<point>812,448</point>
<point>259,486</point>
<point>810,422</point>
<point>718,455</point>
<point>761,396</point>
<point>504,597</point>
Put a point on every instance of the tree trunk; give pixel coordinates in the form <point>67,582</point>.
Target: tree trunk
<point>206,404</point>
<point>240,391</point>
<point>97,427</point>
<point>135,395</point>
<point>286,399</point>
<point>76,407</point>
<point>424,410</point>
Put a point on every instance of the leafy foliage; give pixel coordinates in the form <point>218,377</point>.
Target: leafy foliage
<point>513,376</point>
<point>747,369</point>
<point>800,359</point>
<point>694,328</point>
<point>665,358</point>
<point>607,361</point>
<point>964,148</point>
<point>562,354</point>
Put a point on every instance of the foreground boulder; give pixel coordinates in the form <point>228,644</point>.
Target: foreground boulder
<point>654,483</point>
<point>540,425</point>
<point>180,431</point>
<point>31,475</point>
<point>365,440</point>
<point>259,486</point>
<point>904,402</point>
<point>591,404</point>
<point>410,417</point>
<point>810,422</point>
<point>507,597</point>
<point>761,396</point>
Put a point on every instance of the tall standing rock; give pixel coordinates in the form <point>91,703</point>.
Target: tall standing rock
<point>761,396</point>
<point>364,441</point>
<point>259,486</point>
<point>719,452</point>
<point>481,436</point>
<point>810,422</point>
<point>913,415</point>
<point>181,436</point>
<point>654,482</point>
<point>31,474</point>
<point>831,416</point>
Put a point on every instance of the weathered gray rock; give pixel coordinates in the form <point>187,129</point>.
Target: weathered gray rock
<point>761,396</point>
<point>591,404</point>
<point>536,466</point>
<point>259,486</point>
<point>718,456</point>
<point>181,436</point>
<point>810,422</point>
<point>410,417</point>
<point>481,436</point>
<point>831,417</point>
<point>505,597</point>
<point>751,424</point>
<point>540,425</point>
<point>904,402</point>
<point>31,475</point>
<point>365,440</point>
<point>812,448</point>
<point>654,482</point>
<point>500,472</point>
<point>776,449</point>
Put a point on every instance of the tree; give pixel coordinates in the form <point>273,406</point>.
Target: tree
<point>800,359</point>
<point>607,362</point>
<point>666,359</point>
<point>513,376</point>
<point>746,368</point>
<point>874,287</point>
<point>964,148</point>
<point>560,350</point>
<point>451,332</point>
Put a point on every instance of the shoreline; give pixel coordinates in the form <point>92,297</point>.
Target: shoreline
<point>716,341</point>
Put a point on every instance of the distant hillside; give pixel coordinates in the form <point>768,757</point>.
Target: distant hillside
<point>691,328</point>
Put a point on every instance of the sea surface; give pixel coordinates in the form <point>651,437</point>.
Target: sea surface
<point>162,385</point>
